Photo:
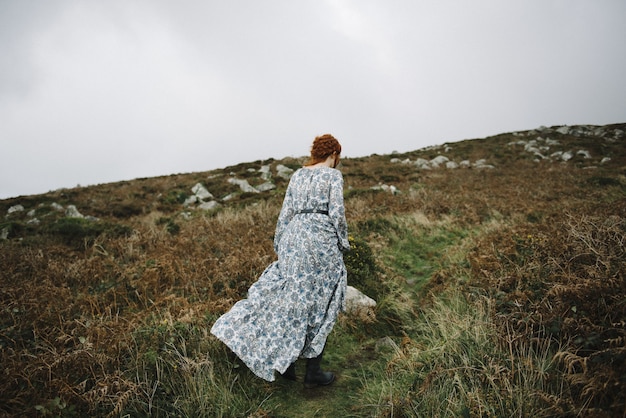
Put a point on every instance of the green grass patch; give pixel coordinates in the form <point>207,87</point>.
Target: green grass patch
<point>416,250</point>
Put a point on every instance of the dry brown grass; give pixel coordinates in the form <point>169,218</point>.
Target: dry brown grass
<point>68,315</point>
<point>551,257</point>
<point>566,279</point>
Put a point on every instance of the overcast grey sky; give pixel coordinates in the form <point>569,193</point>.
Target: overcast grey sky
<point>101,91</point>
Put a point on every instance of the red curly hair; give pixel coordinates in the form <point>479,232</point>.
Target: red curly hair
<point>323,147</point>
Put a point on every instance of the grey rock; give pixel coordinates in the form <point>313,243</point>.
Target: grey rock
<point>438,160</point>
<point>201,192</point>
<point>243,185</point>
<point>72,212</point>
<point>15,208</point>
<point>266,186</point>
<point>356,301</point>
<point>284,171</point>
<point>209,205</point>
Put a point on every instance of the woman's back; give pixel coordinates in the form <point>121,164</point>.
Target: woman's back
<point>310,187</point>
<point>313,204</point>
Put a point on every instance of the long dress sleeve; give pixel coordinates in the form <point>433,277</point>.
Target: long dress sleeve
<point>286,213</point>
<point>337,211</point>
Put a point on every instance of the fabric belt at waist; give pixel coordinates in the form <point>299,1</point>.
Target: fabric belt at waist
<point>320,211</point>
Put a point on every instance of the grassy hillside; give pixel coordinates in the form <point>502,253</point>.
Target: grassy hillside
<point>500,277</point>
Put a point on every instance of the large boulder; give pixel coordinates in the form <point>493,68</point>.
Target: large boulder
<point>284,171</point>
<point>438,160</point>
<point>15,208</point>
<point>72,212</point>
<point>357,302</point>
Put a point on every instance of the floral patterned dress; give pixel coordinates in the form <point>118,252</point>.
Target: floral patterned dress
<point>293,306</point>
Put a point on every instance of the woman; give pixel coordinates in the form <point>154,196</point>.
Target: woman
<point>293,306</point>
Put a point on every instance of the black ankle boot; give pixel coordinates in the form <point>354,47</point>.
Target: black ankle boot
<point>314,374</point>
<point>290,373</point>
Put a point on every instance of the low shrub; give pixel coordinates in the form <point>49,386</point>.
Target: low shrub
<point>80,231</point>
<point>363,272</point>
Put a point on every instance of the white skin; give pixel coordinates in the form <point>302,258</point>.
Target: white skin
<point>332,161</point>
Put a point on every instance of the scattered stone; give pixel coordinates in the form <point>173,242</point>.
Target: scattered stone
<point>4,233</point>
<point>532,149</point>
<point>582,130</point>
<point>437,162</point>
<point>57,207</point>
<point>431,148</point>
<point>386,188</point>
<point>605,160</point>
<point>539,146</point>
